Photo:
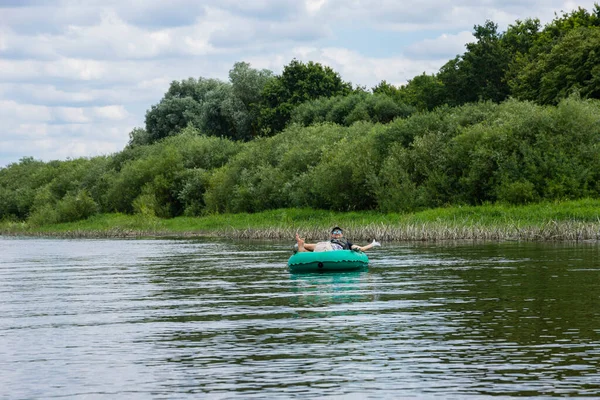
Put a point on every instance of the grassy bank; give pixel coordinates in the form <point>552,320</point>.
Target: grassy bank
<point>569,220</point>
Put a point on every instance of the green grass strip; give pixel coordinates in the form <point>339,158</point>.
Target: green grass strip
<point>566,220</point>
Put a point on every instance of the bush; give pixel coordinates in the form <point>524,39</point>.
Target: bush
<point>520,192</point>
<point>515,152</point>
<point>394,189</point>
<point>160,165</point>
<point>22,180</point>
<point>45,215</point>
<point>194,183</point>
<point>74,207</point>
<point>346,110</point>
<point>8,203</point>
<point>344,178</point>
<point>274,172</point>
<point>145,205</point>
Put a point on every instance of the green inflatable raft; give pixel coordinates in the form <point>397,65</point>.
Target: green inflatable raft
<point>328,261</point>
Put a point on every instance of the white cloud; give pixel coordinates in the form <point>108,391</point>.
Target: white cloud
<point>440,47</point>
<point>11,110</point>
<point>76,77</point>
<point>73,68</point>
<point>3,40</point>
<point>58,149</point>
<point>71,115</point>
<point>113,113</point>
<point>25,132</point>
<point>313,6</point>
<point>59,132</point>
<point>354,67</point>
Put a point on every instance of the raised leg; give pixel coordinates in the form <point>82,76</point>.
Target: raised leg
<point>304,246</point>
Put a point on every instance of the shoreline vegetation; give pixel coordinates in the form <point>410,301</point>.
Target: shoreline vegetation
<point>549,221</point>
<point>471,152</point>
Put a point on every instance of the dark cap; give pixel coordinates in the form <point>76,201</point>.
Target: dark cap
<point>336,229</point>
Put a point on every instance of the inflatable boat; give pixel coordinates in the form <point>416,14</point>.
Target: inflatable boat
<point>328,261</point>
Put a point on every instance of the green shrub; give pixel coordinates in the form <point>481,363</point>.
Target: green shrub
<point>394,189</point>
<point>8,203</point>
<point>164,161</point>
<point>194,183</point>
<point>74,207</point>
<point>145,205</point>
<point>344,178</point>
<point>520,192</point>
<point>45,215</point>
<point>346,110</point>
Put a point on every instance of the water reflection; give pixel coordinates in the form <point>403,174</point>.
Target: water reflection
<point>319,290</point>
<point>518,316</point>
<point>165,318</point>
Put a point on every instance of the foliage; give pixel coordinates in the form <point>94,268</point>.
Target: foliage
<point>550,220</point>
<point>171,115</point>
<point>451,138</point>
<point>272,172</point>
<point>479,73</point>
<point>158,181</point>
<point>298,83</point>
<point>516,152</point>
<point>72,207</point>
<point>346,110</point>
<point>223,109</point>
<point>572,65</point>
<point>425,92</point>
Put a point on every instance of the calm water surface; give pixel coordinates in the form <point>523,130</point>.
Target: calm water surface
<point>223,319</point>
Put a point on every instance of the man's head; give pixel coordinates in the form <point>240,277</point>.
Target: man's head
<point>337,232</point>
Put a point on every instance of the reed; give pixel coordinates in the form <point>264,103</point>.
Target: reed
<point>550,231</point>
<point>557,221</point>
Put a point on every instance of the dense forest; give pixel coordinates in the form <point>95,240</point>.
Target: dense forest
<point>514,119</point>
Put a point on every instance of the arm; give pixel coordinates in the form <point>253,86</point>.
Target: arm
<point>367,247</point>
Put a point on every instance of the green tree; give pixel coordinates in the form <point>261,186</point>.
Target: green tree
<point>224,109</point>
<point>139,137</point>
<point>528,70</point>
<point>243,106</point>
<point>454,80</point>
<point>171,115</point>
<point>299,82</point>
<point>425,92</point>
<point>520,37</point>
<point>346,110</point>
<point>519,40</point>
<point>573,65</point>
<point>563,24</point>
<point>479,73</point>
<point>387,89</point>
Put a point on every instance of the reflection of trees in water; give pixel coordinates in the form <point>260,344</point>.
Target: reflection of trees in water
<point>517,312</point>
<point>218,269</point>
<point>528,292</point>
<point>508,316</point>
<point>251,320</point>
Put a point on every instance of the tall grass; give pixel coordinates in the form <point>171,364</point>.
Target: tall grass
<point>569,220</point>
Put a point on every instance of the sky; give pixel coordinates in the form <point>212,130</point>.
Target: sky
<point>77,76</point>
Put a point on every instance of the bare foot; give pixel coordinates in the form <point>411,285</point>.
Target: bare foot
<point>300,243</point>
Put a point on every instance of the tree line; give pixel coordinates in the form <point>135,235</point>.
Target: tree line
<point>526,62</point>
<point>514,119</point>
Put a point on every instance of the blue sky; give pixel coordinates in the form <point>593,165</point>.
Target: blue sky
<point>77,76</point>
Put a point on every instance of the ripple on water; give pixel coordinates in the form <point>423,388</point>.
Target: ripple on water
<point>175,318</point>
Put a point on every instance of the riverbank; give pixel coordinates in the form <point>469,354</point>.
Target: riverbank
<point>568,220</point>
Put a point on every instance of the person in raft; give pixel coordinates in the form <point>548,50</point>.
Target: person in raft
<point>337,242</point>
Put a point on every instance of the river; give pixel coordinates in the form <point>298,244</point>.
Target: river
<point>186,319</point>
